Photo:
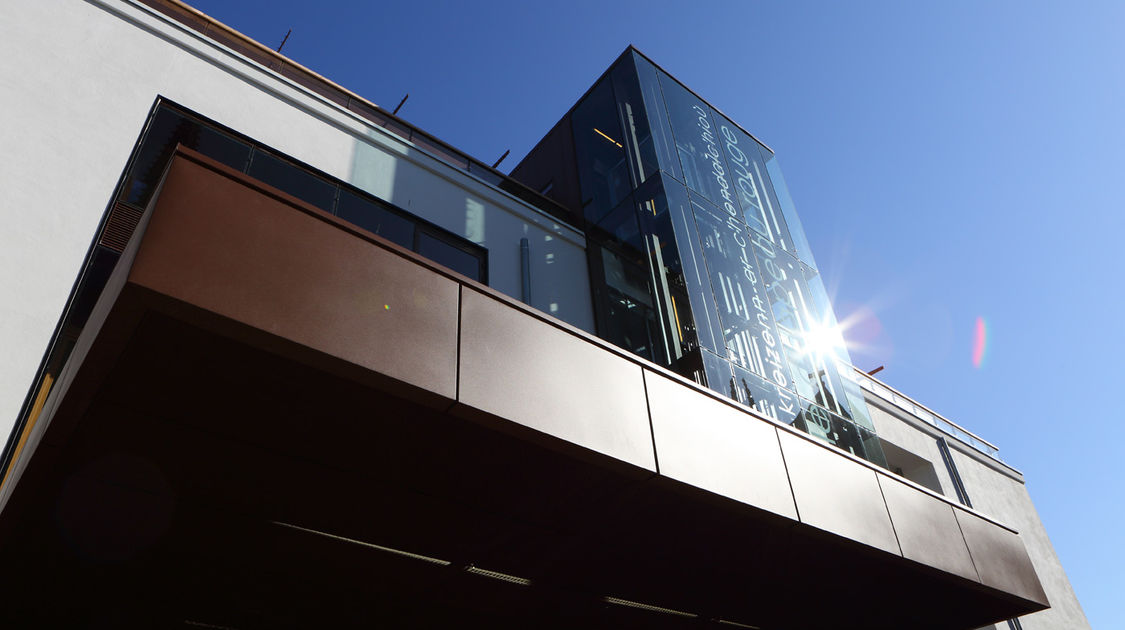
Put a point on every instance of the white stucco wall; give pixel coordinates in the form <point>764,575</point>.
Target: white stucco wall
<point>76,84</point>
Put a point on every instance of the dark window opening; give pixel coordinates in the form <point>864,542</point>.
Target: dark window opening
<point>290,178</point>
<point>171,125</point>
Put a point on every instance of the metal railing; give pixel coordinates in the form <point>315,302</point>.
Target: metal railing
<point>927,415</point>
<point>208,27</point>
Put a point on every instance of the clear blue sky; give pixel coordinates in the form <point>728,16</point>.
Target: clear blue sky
<point>950,161</point>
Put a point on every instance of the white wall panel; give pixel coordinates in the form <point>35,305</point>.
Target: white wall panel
<point>76,85</point>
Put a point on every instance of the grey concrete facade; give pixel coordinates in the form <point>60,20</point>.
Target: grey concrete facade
<point>993,487</point>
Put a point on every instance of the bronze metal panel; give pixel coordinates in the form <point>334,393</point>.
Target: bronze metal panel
<point>414,496</point>
<point>926,528</point>
<point>521,369</point>
<point>1000,557</point>
<point>711,445</point>
<point>406,485</point>
<point>287,270</point>
<point>836,494</point>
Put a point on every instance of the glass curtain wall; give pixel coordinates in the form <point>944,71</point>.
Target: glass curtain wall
<point>700,261</point>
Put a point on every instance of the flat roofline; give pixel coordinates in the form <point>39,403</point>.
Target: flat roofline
<point>605,73</point>
<point>697,95</point>
<point>911,399</point>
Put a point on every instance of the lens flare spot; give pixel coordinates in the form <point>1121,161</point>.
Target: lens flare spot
<point>980,342</point>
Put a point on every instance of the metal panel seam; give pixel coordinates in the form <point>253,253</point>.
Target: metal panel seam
<point>781,449</point>
<point>651,430</point>
<point>460,322</point>
<point>957,520</point>
<point>894,530</point>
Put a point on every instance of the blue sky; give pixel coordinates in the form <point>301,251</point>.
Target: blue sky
<point>950,161</point>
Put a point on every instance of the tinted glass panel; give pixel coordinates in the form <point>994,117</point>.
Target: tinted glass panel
<point>620,226</point>
<point>629,319</point>
<point>759,207</point>
<point>697,283</point>
<point>448,255</point>
<point>796,232</point>
<point>718,373</point>
<point>765,397</point>
<point>697,142</point>
<point>167,129</point>
<point>292,179</point>
<point>602,169</point>
<point>819,422</point>
<point>626,277</point>
<point>636,134</point>
<point>872,448</point>
<point>658,225</point>
<point>740,294</point>
<point>662,143</point>
<point>375,218</point>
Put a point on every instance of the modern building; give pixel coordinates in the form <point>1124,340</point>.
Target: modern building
<point>278,358</point>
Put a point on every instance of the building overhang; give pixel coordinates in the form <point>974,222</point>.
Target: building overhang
<point>274,418</point>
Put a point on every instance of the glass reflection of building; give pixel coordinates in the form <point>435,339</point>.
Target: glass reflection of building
<point>697,258</point>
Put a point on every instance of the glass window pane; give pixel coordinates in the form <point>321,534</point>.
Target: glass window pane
<point>854,396</point>
<point>603,172</point>
<point>661,247</point>
<point>620,226</point>
<point>740,294</point>
<point>695,278</point>
<point>824,332</point>
<point>626,277</point>
<point>759,206</point>
<point>872,447</point>
<point>718,373</point>
<point>829,427</point>
<point>811,359</point>
<point>792,221</point>
<point>373,217</point>
<point>663,146</point>
<point>628,319</point>
<point>443,253</point>
<point>697,142</point>
<point>765,397</point>
<point>637,123</point>
<point>292,179</point>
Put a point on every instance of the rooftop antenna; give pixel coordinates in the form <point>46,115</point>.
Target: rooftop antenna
<point>395,113</point>
<point>876,370</point>
<point>285,39</point>
<point>497,163</point>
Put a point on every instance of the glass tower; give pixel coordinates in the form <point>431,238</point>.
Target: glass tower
<point>697,257</point>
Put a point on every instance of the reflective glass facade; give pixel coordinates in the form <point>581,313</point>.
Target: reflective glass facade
<point>699,261</point>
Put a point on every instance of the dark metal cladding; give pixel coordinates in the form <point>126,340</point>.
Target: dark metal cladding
<point>1000,558</point>
<point>927,529</point>
<point>542,377</point>
<point>712,445</point>
<point>259,262</point>
<point>837,494</point>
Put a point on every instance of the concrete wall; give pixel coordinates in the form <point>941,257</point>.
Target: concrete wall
<point>76,85</point>
<point>994,489</point>
<point>1006,497</point>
